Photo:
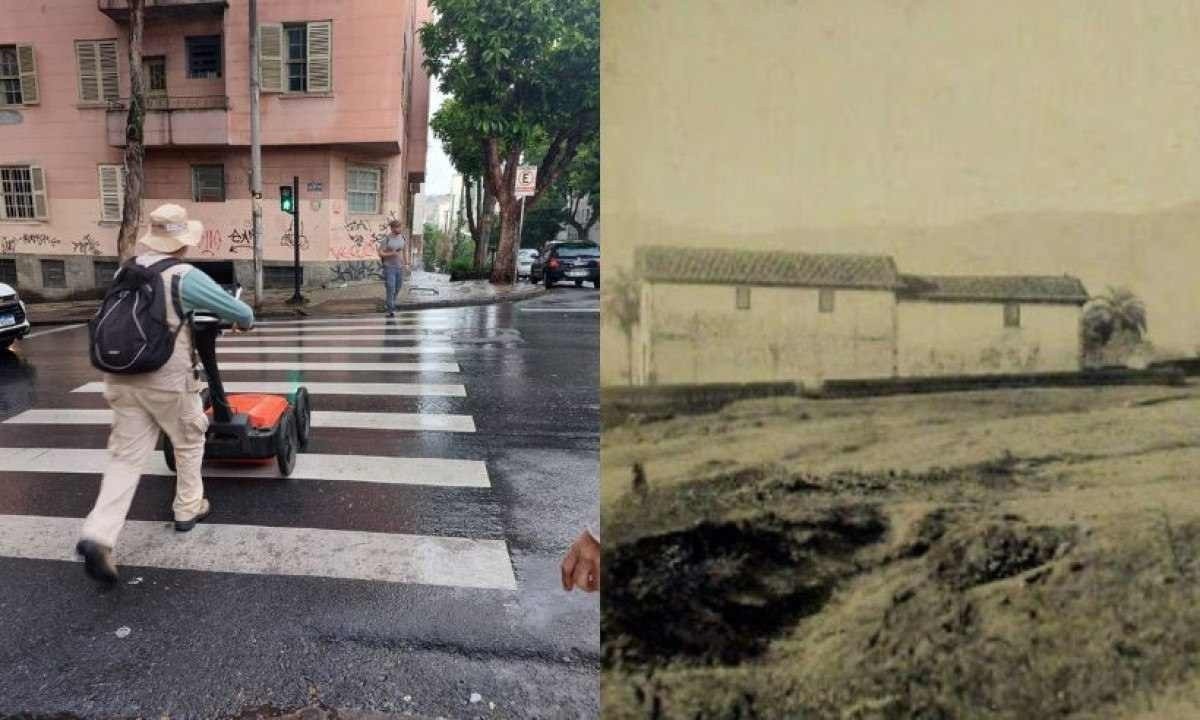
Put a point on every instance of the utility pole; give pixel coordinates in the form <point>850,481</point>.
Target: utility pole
<point>256,157</point>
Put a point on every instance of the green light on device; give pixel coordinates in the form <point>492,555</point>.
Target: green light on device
<point>287,203</point>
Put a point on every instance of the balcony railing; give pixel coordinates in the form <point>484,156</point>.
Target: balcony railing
<point>171,120</point>
<point>172,103</point>
<point>164,9</point>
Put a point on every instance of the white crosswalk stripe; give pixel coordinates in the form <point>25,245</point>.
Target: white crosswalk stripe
<point>417,559</point>
<point>425,333</point>
<point>326,388</point>
<point>329,338</point>
<point>337,350</point>
<point>320,419</point>
<point>419,367</point>
<point>309,466</point>
<point>420,345</point>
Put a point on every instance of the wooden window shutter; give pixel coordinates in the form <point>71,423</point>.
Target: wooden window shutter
<point>86,57</point>
<point>110,84</point>
<point>38,179</point>
<point>320,56</point>
<point>270,56</point>
<point>112,192</point>
<point>27,67</point>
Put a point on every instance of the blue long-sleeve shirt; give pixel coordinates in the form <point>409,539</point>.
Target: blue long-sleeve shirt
<point>200,293</point>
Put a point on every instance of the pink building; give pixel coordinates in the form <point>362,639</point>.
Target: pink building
<point>345,108</point>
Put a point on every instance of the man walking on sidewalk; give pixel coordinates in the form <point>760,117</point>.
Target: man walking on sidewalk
<point>166,399</point>
<point>392,251</point>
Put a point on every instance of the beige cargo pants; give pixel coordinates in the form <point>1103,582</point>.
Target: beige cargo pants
<point>138,414</point>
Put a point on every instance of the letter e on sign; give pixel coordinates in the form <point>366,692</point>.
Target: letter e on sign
<point>526,181</point>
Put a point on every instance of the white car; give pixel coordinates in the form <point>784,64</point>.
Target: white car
<point>13,322</point>
<point>525,258</point>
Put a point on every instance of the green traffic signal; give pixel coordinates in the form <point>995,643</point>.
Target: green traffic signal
<point>286,201</point>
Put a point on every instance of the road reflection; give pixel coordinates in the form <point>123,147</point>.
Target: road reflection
<point>17,378</point>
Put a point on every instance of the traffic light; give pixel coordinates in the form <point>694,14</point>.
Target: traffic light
<point>286,202</point>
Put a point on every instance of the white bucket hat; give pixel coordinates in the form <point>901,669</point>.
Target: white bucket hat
<point>171,230</point>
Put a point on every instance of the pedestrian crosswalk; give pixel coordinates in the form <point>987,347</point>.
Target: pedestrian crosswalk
<point>382,418</point>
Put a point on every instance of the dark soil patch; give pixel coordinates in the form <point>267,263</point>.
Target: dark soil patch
<point>996,550</point>
<point>717,592</point>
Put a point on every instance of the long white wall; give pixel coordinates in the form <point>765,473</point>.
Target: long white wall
<point>694,333</point>
<point>946,338</point>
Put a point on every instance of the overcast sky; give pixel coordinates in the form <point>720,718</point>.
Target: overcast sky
<point>438,170</point>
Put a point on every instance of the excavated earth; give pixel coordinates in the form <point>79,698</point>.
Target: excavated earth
<point>1009,554</point>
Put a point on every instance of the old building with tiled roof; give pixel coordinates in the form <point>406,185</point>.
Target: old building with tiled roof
<point>719,315</point>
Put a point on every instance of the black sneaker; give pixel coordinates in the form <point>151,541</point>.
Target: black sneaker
<point>391,314</point>
<point>97,561</point>
<point>185,525</point>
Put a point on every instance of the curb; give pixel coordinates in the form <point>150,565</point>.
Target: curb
<point>514,296</point>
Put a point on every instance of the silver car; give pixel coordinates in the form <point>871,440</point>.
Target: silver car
<point>525,258</point>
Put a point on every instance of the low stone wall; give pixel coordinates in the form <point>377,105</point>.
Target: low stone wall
<point>617,404</point>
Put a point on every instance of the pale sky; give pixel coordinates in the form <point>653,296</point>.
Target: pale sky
<point>959,136</point>
<point>438,170</point>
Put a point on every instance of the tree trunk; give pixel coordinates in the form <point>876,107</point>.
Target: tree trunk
<point>504,267</point>
<point>135,152</point>
<point>629,344</point>
<point>485,227</point>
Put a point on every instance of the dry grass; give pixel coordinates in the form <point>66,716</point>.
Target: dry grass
<point>1039,557</point>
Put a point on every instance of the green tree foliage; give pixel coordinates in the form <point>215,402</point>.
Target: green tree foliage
<point>517,72</point>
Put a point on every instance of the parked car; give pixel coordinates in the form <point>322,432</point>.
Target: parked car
<point>573,262</point>
<point>525,258</point>
<point>14,324</point>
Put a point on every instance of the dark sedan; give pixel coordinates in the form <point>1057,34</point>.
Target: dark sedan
<point>572,262</point>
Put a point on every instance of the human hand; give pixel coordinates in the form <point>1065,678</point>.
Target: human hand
<point>581,566</point>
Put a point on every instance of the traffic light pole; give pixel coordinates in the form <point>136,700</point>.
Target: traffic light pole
<point>297,298</point>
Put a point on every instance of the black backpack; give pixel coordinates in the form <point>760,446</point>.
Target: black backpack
<point>129,334</point>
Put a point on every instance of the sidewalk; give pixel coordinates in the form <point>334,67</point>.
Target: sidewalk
<point>423,290</point>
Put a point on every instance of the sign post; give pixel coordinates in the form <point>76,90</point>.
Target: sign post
<point>526,185</point>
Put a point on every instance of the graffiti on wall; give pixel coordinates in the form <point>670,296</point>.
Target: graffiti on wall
<point>240,240</point>
<point>348,271</point>
<point>86,245</point>
<point>286,240</point>
<point>210,242</point>
<point>27,241</point>
<point>362,239</point>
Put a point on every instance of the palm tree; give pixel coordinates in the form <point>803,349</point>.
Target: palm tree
<point>1115,313</point>
<point>624,305</point>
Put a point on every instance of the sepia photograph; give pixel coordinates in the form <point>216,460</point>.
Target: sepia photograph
<point>900,346</point>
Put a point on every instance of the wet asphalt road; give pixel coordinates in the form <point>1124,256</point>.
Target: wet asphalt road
<point>210,644</point>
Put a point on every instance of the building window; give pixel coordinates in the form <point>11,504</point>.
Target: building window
<point>10,76</point>
<point>8,272</point>
<point>23,191</point>
<point>281,276</point>
<point>105,270</point>
<point>154,72</point>
<point>1012,315</point>
<point>208,183</point>
<point>825,300</point>
<point>297,57</point>
<point>743,298</point>
<point>364,189</point>
<point>99,80</point>
<point>204,57</point>
<point>54,274</point>
<point>112,192</point>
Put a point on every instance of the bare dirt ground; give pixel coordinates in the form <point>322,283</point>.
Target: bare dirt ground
<point>1005,554</point>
